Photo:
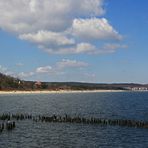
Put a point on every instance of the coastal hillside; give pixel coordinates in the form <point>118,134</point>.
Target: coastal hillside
<point>11,83</point>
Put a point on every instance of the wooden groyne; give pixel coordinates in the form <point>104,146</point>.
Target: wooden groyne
<point>9,125</point>
<point>8,118</point>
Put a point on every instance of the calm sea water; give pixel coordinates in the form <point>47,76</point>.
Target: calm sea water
<point>124,105</point>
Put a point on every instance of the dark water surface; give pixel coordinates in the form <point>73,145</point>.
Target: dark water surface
<point>121,105</point>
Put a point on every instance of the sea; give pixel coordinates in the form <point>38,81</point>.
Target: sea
<point>112,105</point>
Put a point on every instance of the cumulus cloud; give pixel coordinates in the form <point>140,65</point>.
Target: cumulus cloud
<point>25,16</point>
<point>56,69</point>
<point>47,38</point>
<point>65,69</point>
<point>88,48</point>
<point>25,74</point>
<point>83,47</point>
<point>58,27</point>
<point>45,69</point>
<point>66,63</point>
<point>110,48</point>
<point>59,69</point>
<point>94,28</point>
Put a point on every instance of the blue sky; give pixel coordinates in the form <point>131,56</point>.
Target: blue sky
<point>88,40</point>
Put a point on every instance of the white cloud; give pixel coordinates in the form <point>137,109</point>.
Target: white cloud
<point>25,74</point>
<point>88,48</point>
<point>25,16</point>
<point>75,49</point>
<point>58,71</point>
<point>3,69</point>
<point>85,48</point>
<point>114,46</point>
<point>48,39</point>
<point>66,63</point>
<point>59,68</point>
<point>110,48</point>
<point>94,29</point>
<point>58,27</point>
<point>45,69</point>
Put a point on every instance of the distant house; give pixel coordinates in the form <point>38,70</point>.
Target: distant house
<point>37,85</point>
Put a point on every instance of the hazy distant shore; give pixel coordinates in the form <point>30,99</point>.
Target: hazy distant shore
<point>59,91</point>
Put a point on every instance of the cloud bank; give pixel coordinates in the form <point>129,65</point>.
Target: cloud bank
<point>60,68</point>
<point>58,26</point>
<point>65,69</point>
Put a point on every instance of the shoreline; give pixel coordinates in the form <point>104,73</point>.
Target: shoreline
<point>65,91</point>
<point>58,91</point>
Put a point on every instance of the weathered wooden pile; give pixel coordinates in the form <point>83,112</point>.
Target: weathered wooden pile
<point>9,120</point>
<point>9,125</point>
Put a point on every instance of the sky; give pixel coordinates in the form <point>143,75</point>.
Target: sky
<point>98,41</point>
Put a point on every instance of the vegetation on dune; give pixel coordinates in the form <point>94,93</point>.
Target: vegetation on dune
<point>10,83</point>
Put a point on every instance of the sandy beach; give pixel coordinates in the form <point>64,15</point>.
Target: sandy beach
<point>59,91</point>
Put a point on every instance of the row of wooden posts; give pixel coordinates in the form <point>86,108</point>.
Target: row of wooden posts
<point>8,118</point>
<point>9,125</point>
